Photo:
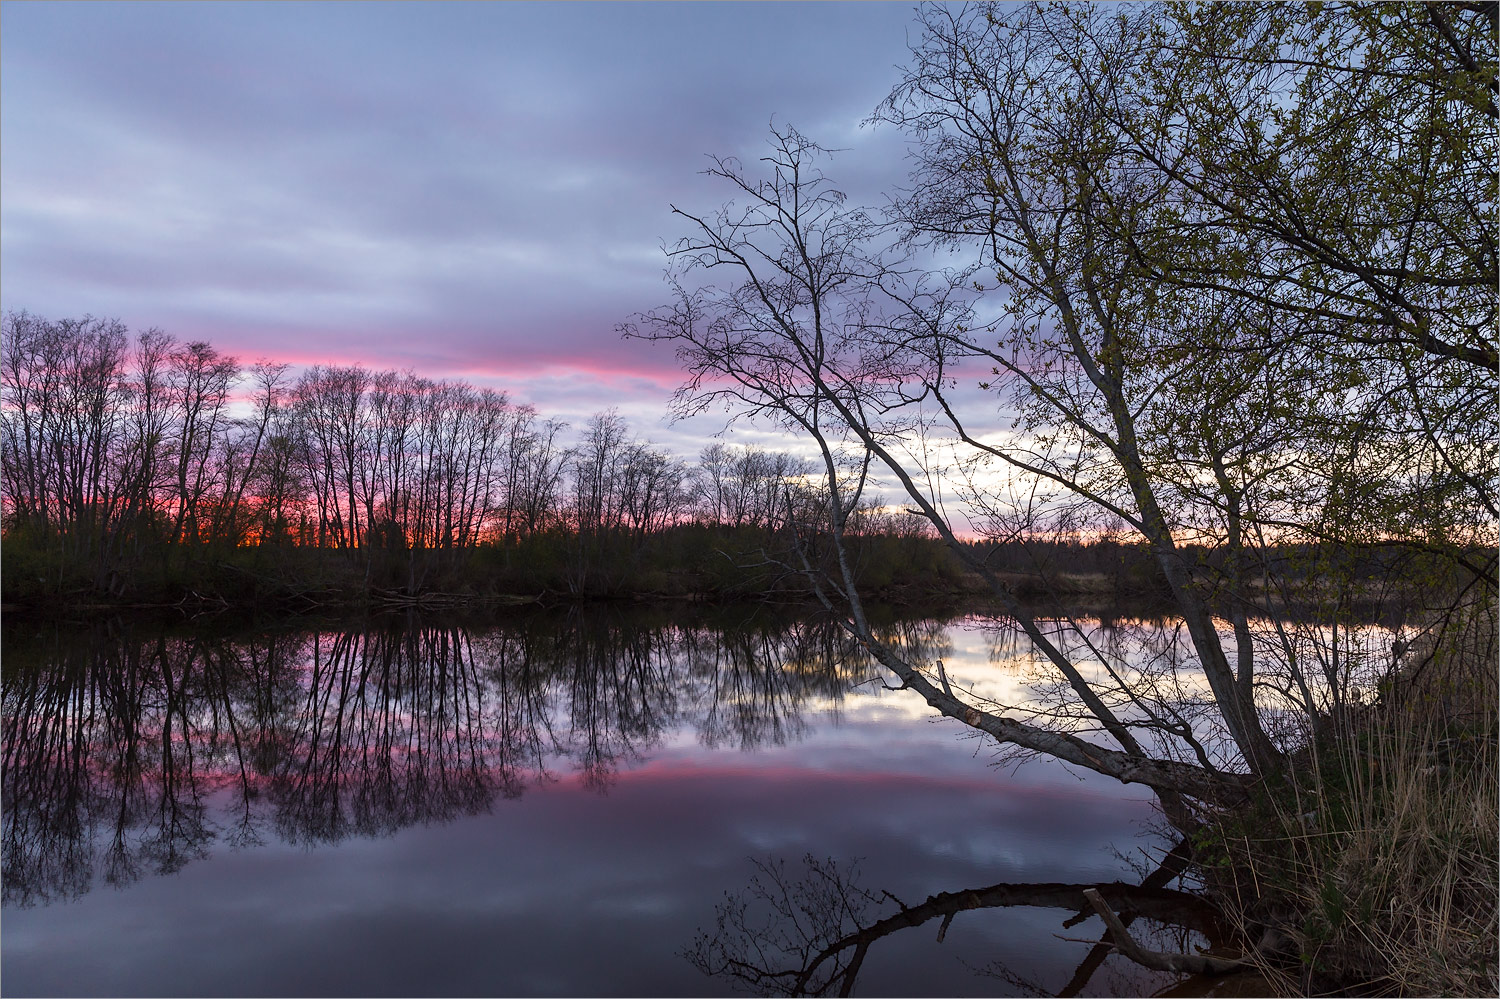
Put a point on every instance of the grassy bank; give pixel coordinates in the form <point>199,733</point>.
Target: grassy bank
<point>1370,868</point>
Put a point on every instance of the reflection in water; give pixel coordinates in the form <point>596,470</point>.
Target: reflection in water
<point>128,753</point>
<point>809,934</point>
<point>132,750</point>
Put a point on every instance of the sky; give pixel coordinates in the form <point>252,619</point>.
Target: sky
<point>475,190</point>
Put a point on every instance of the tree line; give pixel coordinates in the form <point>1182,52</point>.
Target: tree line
<point>120,448</point>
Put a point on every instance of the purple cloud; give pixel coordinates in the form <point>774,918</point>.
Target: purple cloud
<point>450,188</point>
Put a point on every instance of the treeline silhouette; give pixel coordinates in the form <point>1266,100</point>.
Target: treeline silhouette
<point>139,469</point>
<point>137,466</point>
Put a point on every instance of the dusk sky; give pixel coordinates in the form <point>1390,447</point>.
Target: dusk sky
<point>467,190</point>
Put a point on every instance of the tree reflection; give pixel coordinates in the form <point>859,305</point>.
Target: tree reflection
<point>390,733</point>
<point>808,933</point>
<point>130,752</point>
<point>753,682</point>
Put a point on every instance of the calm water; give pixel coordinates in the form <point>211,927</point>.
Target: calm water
<point>547,804</point>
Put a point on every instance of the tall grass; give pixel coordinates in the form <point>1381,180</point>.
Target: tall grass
<point>1372,867</point>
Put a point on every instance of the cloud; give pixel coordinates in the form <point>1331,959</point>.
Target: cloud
<point>476,191</point>
<point>481,180</point>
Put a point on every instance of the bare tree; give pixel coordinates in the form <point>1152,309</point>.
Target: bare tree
<point>199,381</point>
<point>743,486</point>
<point>538,460</point>
<point>821,334</point>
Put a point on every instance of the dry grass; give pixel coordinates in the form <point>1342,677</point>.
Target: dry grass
<point>1372,869</point>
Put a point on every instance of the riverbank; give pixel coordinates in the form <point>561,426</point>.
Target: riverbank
<point>690,563</point>
<point>687,563</point>
<point>1370,867</point>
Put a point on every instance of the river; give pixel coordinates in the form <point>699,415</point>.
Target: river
<point>544,803</point>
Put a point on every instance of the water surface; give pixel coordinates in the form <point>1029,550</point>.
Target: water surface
<point>547,804</point>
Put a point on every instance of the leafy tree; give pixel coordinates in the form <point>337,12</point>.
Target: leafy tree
<point>1213,328</point>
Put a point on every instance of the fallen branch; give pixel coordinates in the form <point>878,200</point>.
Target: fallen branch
<point>1193,964</point>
